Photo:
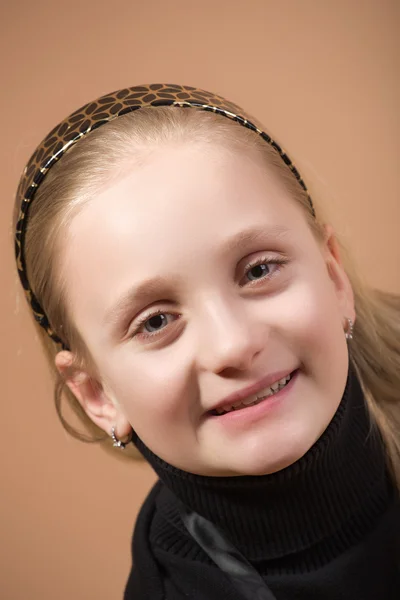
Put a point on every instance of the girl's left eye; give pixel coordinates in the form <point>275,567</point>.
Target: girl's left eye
<point>258,269</point>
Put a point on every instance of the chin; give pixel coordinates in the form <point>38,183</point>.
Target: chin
<point>273,462</point>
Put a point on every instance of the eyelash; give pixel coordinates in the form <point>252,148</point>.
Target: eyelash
<point>277,260</point>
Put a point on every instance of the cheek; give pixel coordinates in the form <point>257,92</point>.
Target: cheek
<point>313,316</point>
<point>148,387</point>
<point>322,341</point>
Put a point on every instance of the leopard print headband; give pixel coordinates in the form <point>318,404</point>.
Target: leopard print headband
<point>90,117</point>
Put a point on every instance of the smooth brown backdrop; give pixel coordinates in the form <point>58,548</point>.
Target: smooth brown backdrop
<point>322,76</point>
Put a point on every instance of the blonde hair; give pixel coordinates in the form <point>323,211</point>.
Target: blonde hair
<point>100,157</point>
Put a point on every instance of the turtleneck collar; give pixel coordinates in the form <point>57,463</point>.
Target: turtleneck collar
<point>329,496</point>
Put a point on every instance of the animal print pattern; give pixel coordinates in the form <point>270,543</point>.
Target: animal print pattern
<point>95,114</point>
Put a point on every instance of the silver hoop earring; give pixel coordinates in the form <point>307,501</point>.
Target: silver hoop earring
<point>349,332</point>
<point>118,442</point>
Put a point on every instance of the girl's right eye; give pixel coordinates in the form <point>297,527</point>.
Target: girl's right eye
<point>155,322</point>
<point>150,325</point>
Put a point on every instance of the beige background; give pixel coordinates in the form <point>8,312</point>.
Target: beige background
<point>322,76</point>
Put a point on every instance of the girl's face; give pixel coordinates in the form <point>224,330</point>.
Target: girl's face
<point>175,284</point>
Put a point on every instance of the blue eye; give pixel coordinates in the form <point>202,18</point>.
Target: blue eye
<point>260,268</point>
<point>257,272</point>
<point>155,323</point>
<point>151,325</point>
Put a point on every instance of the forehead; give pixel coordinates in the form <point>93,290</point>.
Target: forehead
<point>180,186</point>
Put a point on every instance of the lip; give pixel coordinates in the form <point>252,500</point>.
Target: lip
<point>250,414</point>
<point>240,395</point>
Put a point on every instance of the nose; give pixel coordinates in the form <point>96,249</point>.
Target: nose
<point>230,337</point>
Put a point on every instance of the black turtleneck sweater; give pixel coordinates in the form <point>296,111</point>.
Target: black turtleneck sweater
<point>326,527</point>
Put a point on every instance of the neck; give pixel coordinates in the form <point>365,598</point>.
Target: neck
<point>331,494</point>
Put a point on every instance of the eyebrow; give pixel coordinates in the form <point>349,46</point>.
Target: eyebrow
<point>247,236</point>
<point>141,294</point>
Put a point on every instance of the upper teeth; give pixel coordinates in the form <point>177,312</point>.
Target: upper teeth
<point>251,399</point>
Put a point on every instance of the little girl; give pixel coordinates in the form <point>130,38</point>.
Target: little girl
<point>193,301</point>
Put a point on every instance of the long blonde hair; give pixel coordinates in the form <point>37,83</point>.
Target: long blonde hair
<point>91,163</point>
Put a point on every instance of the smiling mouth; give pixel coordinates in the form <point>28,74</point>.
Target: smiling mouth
<point>255,398</point>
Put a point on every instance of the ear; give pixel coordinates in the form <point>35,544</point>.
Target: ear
<point>100,406</point>
<point>337,274</point>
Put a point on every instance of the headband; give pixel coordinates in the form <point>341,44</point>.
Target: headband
<point>95,114</point>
